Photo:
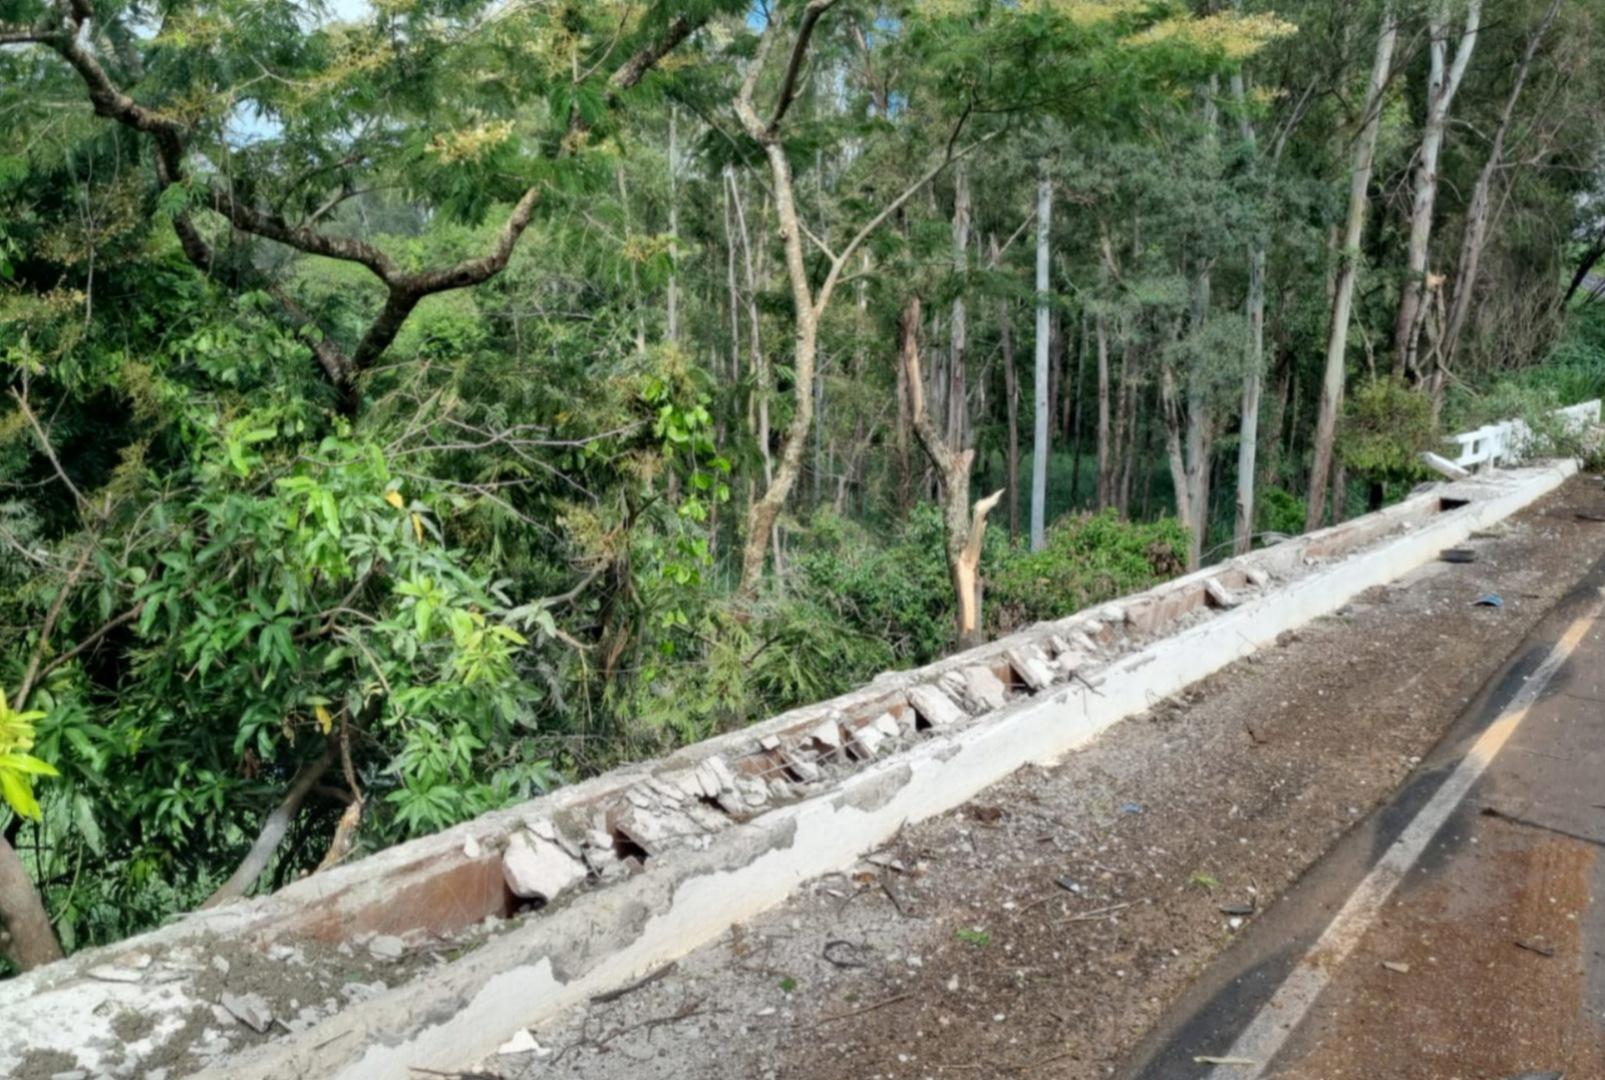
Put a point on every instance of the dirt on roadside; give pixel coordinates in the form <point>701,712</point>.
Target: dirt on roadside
<point>1041,929</point>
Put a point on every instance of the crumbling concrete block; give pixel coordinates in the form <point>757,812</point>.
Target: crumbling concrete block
<point>936,707</point>
<point>1071,661</point>
<point>977,687</point>
<point>537,868</point>
<point>1031,665</point>
<point>827,734</point>
<point>801,765</point>
<point>864,741</point>
<point>1219,595</point>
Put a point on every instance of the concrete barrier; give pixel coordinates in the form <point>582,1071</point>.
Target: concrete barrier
<point>432,953</point>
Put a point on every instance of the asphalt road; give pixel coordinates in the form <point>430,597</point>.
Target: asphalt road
<point>1458,933</point>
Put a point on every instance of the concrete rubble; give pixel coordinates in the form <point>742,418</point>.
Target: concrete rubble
<point>623,870</point>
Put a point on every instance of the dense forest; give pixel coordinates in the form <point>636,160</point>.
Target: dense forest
<point>412,405</point>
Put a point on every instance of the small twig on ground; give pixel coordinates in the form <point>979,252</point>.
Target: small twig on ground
<point>862,1009</point>
<point>685,1012</point>
<point>1102,912</point>
<point>648,980</point>
<point>886,887</point>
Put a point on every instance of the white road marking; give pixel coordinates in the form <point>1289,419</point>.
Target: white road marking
<point>1265,1035</point>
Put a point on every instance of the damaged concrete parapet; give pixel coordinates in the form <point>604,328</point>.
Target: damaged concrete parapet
<point>537,907</point>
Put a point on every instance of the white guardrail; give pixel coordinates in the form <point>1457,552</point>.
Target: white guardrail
<point>1506,443</point>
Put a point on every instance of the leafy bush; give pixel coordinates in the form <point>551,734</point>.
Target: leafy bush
<point>1087,559</point>
<point>1386,426</point>
<point>1280,511</point>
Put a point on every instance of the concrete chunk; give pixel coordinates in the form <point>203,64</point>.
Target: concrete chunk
<point>537,868</point>
<point>827,733</point>
<point>252,1010</point>
<point>865,741</point>
<point>1029,663</point>
<point>984,688</point>
<point>936,707</point>
<point>1219,595</point>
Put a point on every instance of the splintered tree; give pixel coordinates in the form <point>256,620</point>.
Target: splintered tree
<point>964,527</point>
<point>809,301</point>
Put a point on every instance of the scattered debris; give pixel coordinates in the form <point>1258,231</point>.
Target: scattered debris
<point>1539,1076</point>
<point>471,848</point>
<point>250,1009</point>
<point>1131,808</point>
<point>1457,555</point>
<point>1489,600</point>
<point>1396,967</point>
<point>1235,909</point>
<point>1206,1059</point>
<point>1068,885</point>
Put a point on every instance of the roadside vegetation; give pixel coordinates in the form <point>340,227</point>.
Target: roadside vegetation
<point>411,406</point>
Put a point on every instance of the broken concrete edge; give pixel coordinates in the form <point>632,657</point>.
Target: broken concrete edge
<point>1061,683</point>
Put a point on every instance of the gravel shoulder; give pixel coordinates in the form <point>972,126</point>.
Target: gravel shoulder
<point>1041,929</point>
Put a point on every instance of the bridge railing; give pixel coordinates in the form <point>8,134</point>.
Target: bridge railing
<point>1509,441</point>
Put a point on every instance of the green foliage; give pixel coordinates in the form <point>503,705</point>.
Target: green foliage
<point>17,766</point>
<point>1386,426</point>
<point>1087,559</point>
<point>1279,511</point>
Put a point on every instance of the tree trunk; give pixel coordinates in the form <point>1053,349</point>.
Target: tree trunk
<point>765,511</point>
<point>26,936</point>
<point>1105,458</point>
<point>1442,85</point>
<point>1254,363</point>
<point>1011,394</point>
<point>1039,442</point>
<point>1479,210</point>
<point>1175,453</point>
<point>673,299</point>
<point>964,529</point>
<point>1338,332</point>
<point>958,359</point>
<point>1075,420</point>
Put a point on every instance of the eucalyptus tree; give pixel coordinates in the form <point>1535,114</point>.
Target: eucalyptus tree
<point>1349,256</point>
<point>1443,84</point>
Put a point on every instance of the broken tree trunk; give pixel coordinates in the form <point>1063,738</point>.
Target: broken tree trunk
<point>964,529</point>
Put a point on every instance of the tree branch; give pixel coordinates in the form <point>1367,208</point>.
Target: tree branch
<point>273,830</point>
<point>799,53</point>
